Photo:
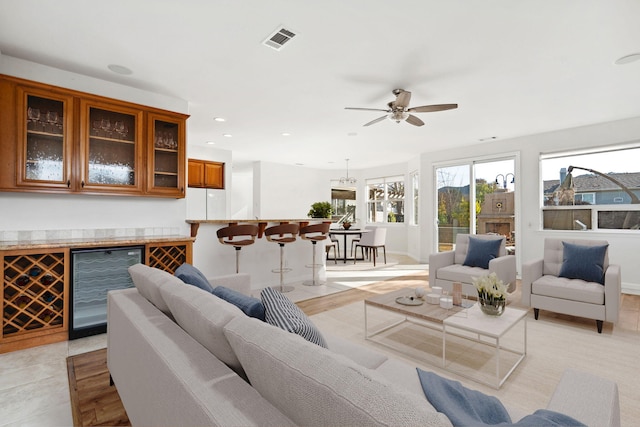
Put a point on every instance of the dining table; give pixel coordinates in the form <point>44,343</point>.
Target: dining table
<point>344,233</point>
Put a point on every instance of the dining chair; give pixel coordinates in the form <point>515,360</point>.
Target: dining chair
<point>371,241</point>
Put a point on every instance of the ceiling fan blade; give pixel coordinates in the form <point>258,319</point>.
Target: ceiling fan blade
<point>367,109</point>
<point>432,108</point>
<point>403,98</point>
<point>414,120</point>
<point>372,122</point>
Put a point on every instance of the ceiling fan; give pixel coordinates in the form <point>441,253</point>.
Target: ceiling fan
<point>398,110</point>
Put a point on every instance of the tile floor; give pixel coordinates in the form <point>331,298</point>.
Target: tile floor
<point>34,387</point>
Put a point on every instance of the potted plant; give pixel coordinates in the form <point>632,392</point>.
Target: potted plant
<point>320,210</point>
<point>492,294</point>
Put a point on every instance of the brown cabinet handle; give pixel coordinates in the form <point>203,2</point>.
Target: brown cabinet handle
<point>82,183</point>
<point>68,183</point>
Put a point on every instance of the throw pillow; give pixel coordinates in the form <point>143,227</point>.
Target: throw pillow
<point>281,312</point>
<point>466,407</point>
<point>583,262</point>
<point>481,251</point>
<point>252,307</point>
<point>192,276</point>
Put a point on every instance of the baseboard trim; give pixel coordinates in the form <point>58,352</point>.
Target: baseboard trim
<point>631,288</point>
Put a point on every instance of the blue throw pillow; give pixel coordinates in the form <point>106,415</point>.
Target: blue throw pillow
<point>252,307</point>
<point>466,407</point>
<point>583,262</point>
<point>192,276</point>
<point>481,251</point>
<point>281,312</point>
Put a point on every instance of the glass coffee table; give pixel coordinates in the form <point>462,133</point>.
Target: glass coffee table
<point>469,324</point>
<point>487,331</point>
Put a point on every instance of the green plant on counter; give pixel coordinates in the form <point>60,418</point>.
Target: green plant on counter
<point>320,210</point>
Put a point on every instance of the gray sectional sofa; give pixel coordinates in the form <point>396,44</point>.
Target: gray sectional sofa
<point>179,355</point>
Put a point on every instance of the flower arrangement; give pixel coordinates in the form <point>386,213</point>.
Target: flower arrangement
<point>492,294</point>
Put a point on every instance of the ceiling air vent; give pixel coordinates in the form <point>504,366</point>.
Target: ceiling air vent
<point>279,38</point>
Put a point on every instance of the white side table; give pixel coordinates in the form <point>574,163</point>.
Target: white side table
<point>486,330</point>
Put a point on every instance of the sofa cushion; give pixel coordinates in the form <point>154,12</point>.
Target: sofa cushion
<point>583,262</point>
<point>481,251</point>
<point>192,276</point>
<point>569,289</point>
<point>149,280</point>
<point>281,312</point>
<point>315,387</point>
<point>203,315</point>
<point>250,306</point>
<point>460,273</point>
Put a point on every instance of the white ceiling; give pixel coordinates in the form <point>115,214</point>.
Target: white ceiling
<point>514,67</point>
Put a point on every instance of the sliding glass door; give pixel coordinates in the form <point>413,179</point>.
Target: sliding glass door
<point>488,207</point>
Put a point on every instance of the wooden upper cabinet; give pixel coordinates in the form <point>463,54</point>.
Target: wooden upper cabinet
<point>111,148</point>
<point>206,174</point>
<point>58,140</point>
<point>165,155</point>
<point>45,137</point>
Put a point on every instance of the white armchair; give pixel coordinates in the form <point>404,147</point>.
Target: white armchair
<point>448,267</point>
<point>542,288</point>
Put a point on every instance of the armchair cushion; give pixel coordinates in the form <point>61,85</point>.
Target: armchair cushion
<point>583,262</point>
<point>481,251</point>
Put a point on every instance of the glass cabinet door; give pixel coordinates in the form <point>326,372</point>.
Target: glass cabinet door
<point>111,148</point>
<point>166,155</point>
<point>45,139</point>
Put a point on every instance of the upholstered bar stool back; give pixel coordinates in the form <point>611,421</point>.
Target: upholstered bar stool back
<point>282,234</point>
<point>238,236</point>
<point>314,233</point>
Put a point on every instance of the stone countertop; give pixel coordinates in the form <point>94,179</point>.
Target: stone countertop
<point>95,242</point>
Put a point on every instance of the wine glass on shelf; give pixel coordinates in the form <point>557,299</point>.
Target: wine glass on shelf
<point>118,127</point>
<point>105,125</point>
<point>97,125</point>
<point>33,115</point>
<point>52,119</point>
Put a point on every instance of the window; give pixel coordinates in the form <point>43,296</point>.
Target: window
<point>415,179</point>
<point>385,201</point>
<point>590,190</point>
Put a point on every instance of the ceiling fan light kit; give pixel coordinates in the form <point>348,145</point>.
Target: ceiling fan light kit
<point>398,110</point>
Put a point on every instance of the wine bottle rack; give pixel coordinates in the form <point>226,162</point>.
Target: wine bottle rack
<point>34,293</point>
<point>170,257</point>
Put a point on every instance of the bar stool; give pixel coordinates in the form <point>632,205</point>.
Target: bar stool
<point>282,234</point>
<point>314,233</point>
<point>247,234</point>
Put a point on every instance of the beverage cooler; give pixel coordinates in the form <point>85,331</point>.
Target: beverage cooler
<point>94,272</point>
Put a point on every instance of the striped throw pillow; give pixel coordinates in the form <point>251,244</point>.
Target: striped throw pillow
<point>281,312</point>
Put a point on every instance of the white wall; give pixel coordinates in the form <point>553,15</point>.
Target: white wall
<point>624,246</point>
<point>32,211</point>
<point>284,191</point>
<point>208,203</point>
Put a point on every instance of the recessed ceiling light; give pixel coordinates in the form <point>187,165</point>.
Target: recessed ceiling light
<point>352,134</point>
<point>119,69</point>
<point>286,134</point>
<point>489,138</point>
<point>211,142</point>
<point>628,59</point>
<point>219,119</point>
<point>227,135</point>
<point>299,164</point>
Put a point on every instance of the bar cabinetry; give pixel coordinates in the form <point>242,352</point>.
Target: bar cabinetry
<point>36,282</point>
<point>34,300</point>
<point>58,140</point>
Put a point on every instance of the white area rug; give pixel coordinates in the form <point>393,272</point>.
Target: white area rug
<point>553,344</point>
